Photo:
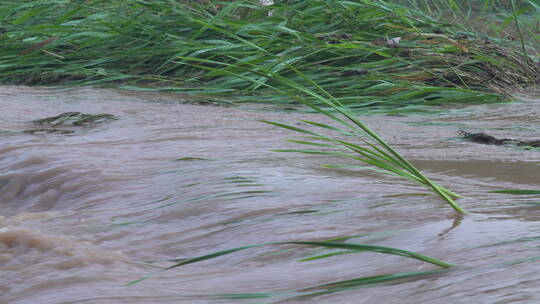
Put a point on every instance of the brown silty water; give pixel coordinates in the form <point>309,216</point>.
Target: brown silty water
<point>83,214</point>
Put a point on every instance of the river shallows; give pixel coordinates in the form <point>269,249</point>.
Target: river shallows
<point>85,213</point>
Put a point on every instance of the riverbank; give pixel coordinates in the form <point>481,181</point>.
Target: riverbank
<point>366,53</point>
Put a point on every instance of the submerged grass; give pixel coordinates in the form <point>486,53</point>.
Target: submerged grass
<point>517,192</point>
<point>322,288</point>
<point>318,290</point>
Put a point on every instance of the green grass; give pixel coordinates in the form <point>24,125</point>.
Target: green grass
<point>518,192</point>
<point>326,288</point>
<point>150,42</point>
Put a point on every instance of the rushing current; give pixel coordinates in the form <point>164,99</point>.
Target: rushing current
<point>85,213</point>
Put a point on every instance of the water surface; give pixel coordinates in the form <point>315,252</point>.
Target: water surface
<point>83,214</point>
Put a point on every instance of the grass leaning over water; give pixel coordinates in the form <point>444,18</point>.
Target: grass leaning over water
<point>374,151</point>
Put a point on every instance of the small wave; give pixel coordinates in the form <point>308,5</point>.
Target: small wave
<point>21,245</point>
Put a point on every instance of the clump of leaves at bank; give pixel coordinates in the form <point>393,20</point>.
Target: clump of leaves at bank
<point>365,53</point>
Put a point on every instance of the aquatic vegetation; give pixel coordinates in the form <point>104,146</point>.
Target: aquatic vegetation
<point>48,131</point>
<point>373,151</point>
<point>327,287</point>
<point>518,192</point>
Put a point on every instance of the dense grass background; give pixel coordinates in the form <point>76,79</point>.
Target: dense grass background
<point>212,47</point>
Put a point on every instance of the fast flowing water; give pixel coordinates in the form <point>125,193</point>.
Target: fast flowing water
<point>83,214</point>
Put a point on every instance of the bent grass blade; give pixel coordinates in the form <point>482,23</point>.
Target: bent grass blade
<point>352,247</point>
<point>517,192</point>
<point>377,153</point>
<point>304,293</point>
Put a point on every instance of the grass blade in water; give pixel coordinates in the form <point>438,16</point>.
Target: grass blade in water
<point>334,245</point>
<point>517,192</point>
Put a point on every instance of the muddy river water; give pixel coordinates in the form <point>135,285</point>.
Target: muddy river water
<point>83,214</point>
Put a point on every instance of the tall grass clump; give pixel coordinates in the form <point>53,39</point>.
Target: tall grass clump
<point>365,53</point>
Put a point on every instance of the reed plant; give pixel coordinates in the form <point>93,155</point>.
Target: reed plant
<point>371,150</point>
